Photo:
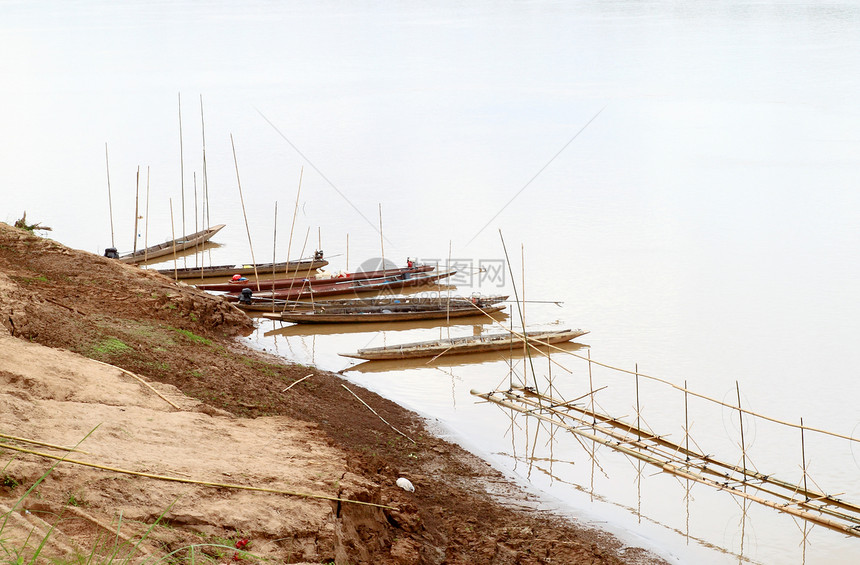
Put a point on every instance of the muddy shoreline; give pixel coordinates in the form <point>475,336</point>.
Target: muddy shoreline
<point>183,342</point>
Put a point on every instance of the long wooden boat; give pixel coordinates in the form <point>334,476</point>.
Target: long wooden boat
<point>275,284</point>
<point>278,305</point>
<point>387,313</point>
<point>302,330</point>
<point>443,361</point>
<point>169,247</point>
<point>460,345</point>
<point>296,267</point>
<point>311,292</point>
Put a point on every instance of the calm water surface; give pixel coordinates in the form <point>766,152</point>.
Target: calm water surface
<point>682,177</point>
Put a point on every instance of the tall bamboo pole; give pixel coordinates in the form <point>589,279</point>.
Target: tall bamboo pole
<point>205,175</point>
<point>196,229</point>
<point>638,427</point>
<point>181,169</point>
<point>146,222</point>
<point>591,387</point>
<point>381,240</point>
<point>741,420</point>
<point>173,235</point>
<point>274,253</point>
<point>244,214</point>
<point>803,455</point>
<point>110,202</point>
<point>136,211</point>
<point>293,224</point>
<point>519,309</point>
<point>686,421</point>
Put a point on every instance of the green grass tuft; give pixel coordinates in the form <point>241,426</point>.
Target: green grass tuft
<point>111,346</point>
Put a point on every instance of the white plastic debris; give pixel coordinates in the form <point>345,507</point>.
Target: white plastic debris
<point>405,484</point>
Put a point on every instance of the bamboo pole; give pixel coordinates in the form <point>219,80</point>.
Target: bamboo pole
<point>139,379</point>
<point>708,398</point>
<point>173,235</point>
<point>192,481</point>
<point>803,455</point>
<point>591,387</point>
<point>741,420</point>
<point>136,196</point>
<point>274,253</point>
<point>686,421</point>
<point>377,413</point>
<point>294,383</point>
<point>638,427</point>
<point>381,240</point>
<point>205,175</point>
<point>617,423</point>
<point>244,214</point>
<point>196,229</point>
<point>43,444</point>
<point>146,223</point>
<point>519,308</point>
<point>677,469</point>
<point>110,201</point>
<point>293,224</point>
<point>181,169</point>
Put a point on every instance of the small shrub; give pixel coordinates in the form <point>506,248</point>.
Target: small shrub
<point>9,482</point>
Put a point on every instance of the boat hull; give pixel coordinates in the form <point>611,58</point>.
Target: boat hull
<point>380,315</point>
<point>172,246</point>
<point>266,305</point>
<point>277,284</point>
<point>469,344</point>
<point>302,266</point>
<point>310,292</point>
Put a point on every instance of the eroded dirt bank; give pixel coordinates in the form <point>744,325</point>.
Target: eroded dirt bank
<point>217,412</point>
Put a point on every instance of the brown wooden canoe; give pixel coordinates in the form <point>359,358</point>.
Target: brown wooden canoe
<point>467,344</point>
<point>172,246</point>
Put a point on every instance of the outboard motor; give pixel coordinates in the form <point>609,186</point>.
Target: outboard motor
<point>245,296</point>
<point>111,253</point>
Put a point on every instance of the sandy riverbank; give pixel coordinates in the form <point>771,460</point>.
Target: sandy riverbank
<point>78,329</point>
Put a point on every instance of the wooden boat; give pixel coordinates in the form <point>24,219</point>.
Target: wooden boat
<point>169,247</point>
<point>386,313</point>
<point>297,267</point>
<point>443,361</point>
<point>303,330</point>
<point>311,292</point>
<point>467,344</point>
<point>278,305</point>
<point>275,284</point>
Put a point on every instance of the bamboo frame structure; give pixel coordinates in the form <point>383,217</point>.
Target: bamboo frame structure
<point>679,460</point>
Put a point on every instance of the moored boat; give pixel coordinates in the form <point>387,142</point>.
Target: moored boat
<point>382,313</point>
<point>467,344</point>
<point>172,246</point>
<point>275,284</point>
<point>294,268</point>
<point>391,283</point>
<point>278,305</point>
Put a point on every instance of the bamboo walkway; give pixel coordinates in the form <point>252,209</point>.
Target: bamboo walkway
<point>679,460</point>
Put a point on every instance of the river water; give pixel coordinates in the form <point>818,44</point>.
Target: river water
<point>681,177</point>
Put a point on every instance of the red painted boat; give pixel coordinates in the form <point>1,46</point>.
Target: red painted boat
<point>310,292</point>
<point>298,282</point>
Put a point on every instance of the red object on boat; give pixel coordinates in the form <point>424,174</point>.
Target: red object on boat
<point>275,284</point>
<point>308,291</point>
